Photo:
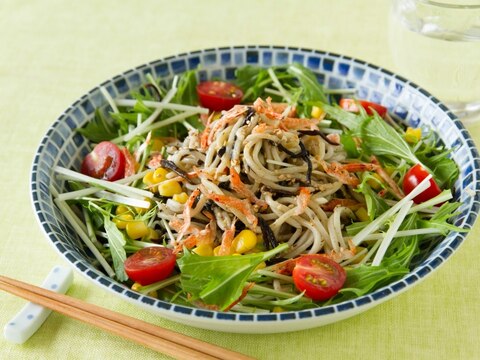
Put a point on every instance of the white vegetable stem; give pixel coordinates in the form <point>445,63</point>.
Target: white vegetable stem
<point>390,233</point>
<point>161,105</point>
<point>378,222</point>
<point>77,194</point>
<point>109,99</point>
<point>402,233</point>
<point>170,120</point>
<point>142,128</point>
<point>123,199</point>
<point>75,222</point>
<point>279,86</point>
<point>112,186</point>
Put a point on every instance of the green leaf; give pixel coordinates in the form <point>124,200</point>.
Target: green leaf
<point>219,280</point>
<point>187,89</point>
<point>364,279</point>
<point>440,219</point>
<point>253,81</point>
<point>348,119</point>
<point>403,249</point>
<point>375,204</point>
<point>312,89</point>
<point>349,145</point>
<point>445,170</point>
<point>116,242</point>
<point>382,139</point>
<point>99,129</point>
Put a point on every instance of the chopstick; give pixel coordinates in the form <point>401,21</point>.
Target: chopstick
<point>159,339</point>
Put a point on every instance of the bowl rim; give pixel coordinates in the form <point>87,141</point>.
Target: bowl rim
<point>207,318</point>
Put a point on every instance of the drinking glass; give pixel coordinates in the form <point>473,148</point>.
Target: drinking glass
<point>436,44</point>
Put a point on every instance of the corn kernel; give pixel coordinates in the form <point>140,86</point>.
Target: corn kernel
<point>413,135</point>
<point>153,234</point>
<point>204,250</point>
<point>277,309</point>
<point>216,250</point>
<point>362,214</point>
<point>136,286</point>
<point>180,198</point>
<point>137,229</point>
<point>153,294</point>
<point>140,210</point>
<point>122,220</point>
<point>160,175</point>
<point>316,112</point>
<point>169,188</point>
<point>148,178</point>
<point>121,209</point>
<point>375,184</point>
<point>262,265</point>
<point>157,144</point>
<point>244,241</point>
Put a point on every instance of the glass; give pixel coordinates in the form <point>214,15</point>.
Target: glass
<point>436,44</point>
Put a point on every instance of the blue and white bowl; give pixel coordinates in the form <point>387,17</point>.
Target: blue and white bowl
<point>406,101</point>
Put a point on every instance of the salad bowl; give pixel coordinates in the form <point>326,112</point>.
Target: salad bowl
<point>406,102</point>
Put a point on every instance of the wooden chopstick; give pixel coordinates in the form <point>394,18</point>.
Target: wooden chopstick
<point>160,339</point>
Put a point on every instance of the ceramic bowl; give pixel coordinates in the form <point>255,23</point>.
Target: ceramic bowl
<point>406,101</point>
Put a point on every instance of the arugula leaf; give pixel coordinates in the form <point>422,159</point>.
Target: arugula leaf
<point>312,89</point>
<point>382,139</point>
<point>440,219</point>
<point>116,242</point>
<point>444,169</point>
<point>375,204</point>
<point>253,81</point>
<point>219,280</point>
<point>99,129</point>
<point>349,145</point>
<point>364,279</point>
<point>187,89</point>
<point>403,249</point>
<point>348,119</point>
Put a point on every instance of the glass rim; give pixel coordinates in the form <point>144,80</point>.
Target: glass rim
<point>449,5</point>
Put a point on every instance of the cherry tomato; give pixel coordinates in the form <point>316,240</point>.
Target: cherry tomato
<point>351,105</point>
<point>150,264</point>
<point>414,176</point>
<point>106,162</point>
<point>219,95</point>
<point>319,276</point>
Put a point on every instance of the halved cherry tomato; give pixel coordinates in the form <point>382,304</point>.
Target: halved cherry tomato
<point>319,276</point>
<point>150,264</point>
<point>414,176</point>
<point>351,105</point>
<point>219,95</point>
<point>106,161</point>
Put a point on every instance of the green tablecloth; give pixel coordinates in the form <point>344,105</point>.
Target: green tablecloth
<point>53,51</point>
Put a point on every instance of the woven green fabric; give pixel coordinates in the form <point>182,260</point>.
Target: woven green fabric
<point>53,51</point>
